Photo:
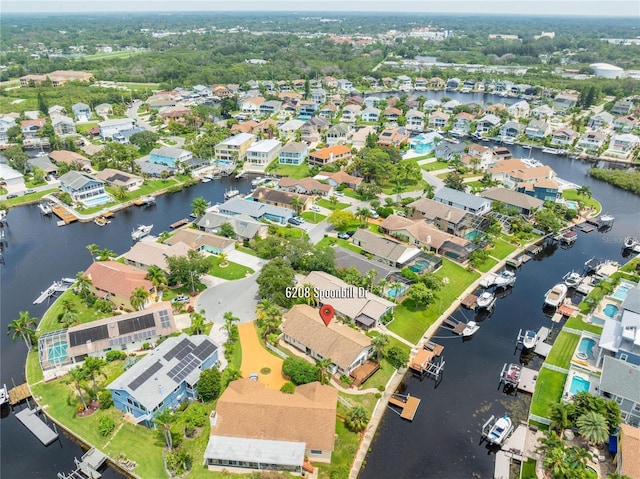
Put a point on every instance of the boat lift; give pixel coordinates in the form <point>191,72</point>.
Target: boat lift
<point>486,429</point>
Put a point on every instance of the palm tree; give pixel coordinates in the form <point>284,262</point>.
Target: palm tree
<point>223,259</point>
<point>584,190</point>
<point>105,254</point>
<point>199,206</point>
<point>69,318</point>
<point>23,327</point>
<point>428,190</point>
<point>139,298</point>
<point>78,374</point>
<point>94,249</point>
<point>93,367</point>
<point>379,343</point>
<point>158,278</point>
<point>362,213</point>
<point>555,461</point>
<point>371,277</point>
<point>324,370</point>
<point>560,415</point>
<point>83,283</point>
<point>593,427</point>
<point>229,323</point>
<point>297,204</point>
<point>356,419</point>
<point>312,298</point>
<point>120,192</point>
<point>164,420</point>
<point>269,317</point>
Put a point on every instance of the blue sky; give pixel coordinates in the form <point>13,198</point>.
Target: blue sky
<point>625,8</point>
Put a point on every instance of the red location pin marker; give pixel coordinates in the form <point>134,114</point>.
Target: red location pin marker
<point>326,313</point>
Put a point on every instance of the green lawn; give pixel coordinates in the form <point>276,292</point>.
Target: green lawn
<point>291,171</point>
<point>110,56</point>
<point>563,349</point>
<point>573,195</point>
<point>412,324</point>
<point>501,249</point>
<point>27,198</point>
<point>529,469</point>
<point>577,322</point>
<point>487,265</point>
<point>231,271</point>
<point>548,391</point>
<point>84,313</point>
<point>313,217</point>
<point>244,249</point>
<point>436,165</point>
<point>327,204</point>
<point>83,128</point>
<point>324,242</point>
<point>344,451</point>
<point>351,193</point>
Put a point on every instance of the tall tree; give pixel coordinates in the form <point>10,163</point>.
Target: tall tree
<point>324,370</point>
<point>158,279</point>
<point>379,343</point>
<point>593,427</point>
<point>229,323</point>
<point>76,375</point>
<point>420,295</point>
<point>23,327</point>
<point>164,420</point>
<point>93,367</point>
<point>139,297</point>
<point>197,322</point>
<point>199,206</point>
<point>82,284</point>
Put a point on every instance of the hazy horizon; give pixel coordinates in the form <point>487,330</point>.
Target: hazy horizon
<point>602,8</point>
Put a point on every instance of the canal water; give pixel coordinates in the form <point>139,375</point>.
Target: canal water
<point>443,441</point>
<point>37,253</point>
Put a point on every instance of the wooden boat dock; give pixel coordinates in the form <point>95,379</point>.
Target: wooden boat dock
<point>456,326</point>
<point>31,420</point>
<point>179,223</point>
<point>408,405</point>
<point>17,394</point>
<point>528,379</point>
<point>470,302</point>
<point>88,466</point>
<point>424,364</point>
<point>64,214</point>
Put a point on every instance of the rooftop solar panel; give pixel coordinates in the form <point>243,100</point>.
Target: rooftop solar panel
<point>138,323</point>
<point>178,350</point>
<point>204,350</point>
<point>150,371</point>
<point>90,334</point>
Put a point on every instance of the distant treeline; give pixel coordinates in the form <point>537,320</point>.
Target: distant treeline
<point>626,179</point>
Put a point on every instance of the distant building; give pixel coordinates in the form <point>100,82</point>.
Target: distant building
<point>169,155</point>
<point>109,128</point>
<point>84,188</point>
<point>57,78</point>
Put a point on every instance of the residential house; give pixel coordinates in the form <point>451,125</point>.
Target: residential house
<point>512,172</point>
<point>56,110</point>
<point>542,112</point>
<point>395,137</point>
<point>344,84</point>
<point>446,151</point>
<point>364,308</point>
<point>503,86</point>
<point>84,188</point>
<point>339,134</point>
<point>369,114</point>
<point>263,152</point>
<point>254,428</point>
<point>70,157</point>
<point>622,107</point>
<point>425,143</point>
<point>202,241</point>
<point>462,200</point>
<point>305,186</point>
<point>109,128</point>
<point>487,123</point>
<point>144,254</point>
<point>340,178</point>
<point>318,96</point>
<point>371,81</point>
<point>63,125</point>
<point>164,378</point>
<point>511,130</point>
<point>392,114</point>
<point>438,120</point>
<point>117,281</point>
<point>117,179</point>
<point>519,109</point>
<point>420,83</point>
<point>57,78</point>
<point>11,177</point>
<point>423,235</point>
<point>385,250</point>
<point>202,91</point>
<point>623,144</point>
<point>270,107</point>
<point>175,113</point>
<point>462,123</point>
<point>621,334</point>
<point>538,129</point>
<point>31,128</point>
<point>154,170</point>
<point>81,111</point>
<point>43,164</point>
<point>431,105</point>
<point>6,121</point>
<point>256,210</point>
<point>405,83</point>
<point>283,199</point>
<point>293,153</point>
<point>453,84</point>
<point>564,137</point>
<point>372,101</point>
<point>344,346</point>
<point>313,128</point>
<point>601,121</point>
<point>104,109</point>
<point>564,102</point>
<point>620,382</point>
<point>245,228</point>
<point>525,204</point>
<point>501,153</point>
<point>625,124</point>
<point>329,154</point>
<point>359,138</point>
<point>447,218</point>
<point>350,113</point>
<point>170,156</point>
<point>328,112</point>
<point>542,188</point>
<point>627,459</point>
<point>234,148</point>
<point>124,135</point>
<point>481,157</point>
<point>450,105</point>
<point>345,259</point>
<point>592,140</point>
<point>251,105</point>
<point>436,83</point>
<point>415,120</point>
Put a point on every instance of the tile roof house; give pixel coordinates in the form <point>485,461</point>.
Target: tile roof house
<point>538,129</point>
<point>513,172</point>
<point>525,204</point>
<point>339,134</point>
<point>68,157</point>
<point>202,241</point>
<point>395,137</point>
<point>84,188</point>
<point>565,101</point>
<point>628,460</point>
<point>63,125</point>
<point>564,137</point>
<point>447,218</point>
<point>363,307</point>
<point>30,128</point>
<point>283,199</point>
<point>164,378</point>
<point>244,227</point>
<point>385,250</point>
<point>340,177</point>
<point>438,119</point>
<point>543,189</point>
<point>144,254</point>
<point>234,148</point>
<point>169,155</point>
<point>346,347</point>
<point>305,186</point>
<point>462,200</point>
<point>116,178</point>
<point>425,143</point>
<point>350,113</point>
<point>255,428</point>
<point>116,282</point>
<point>329,154</point>
<point>359,138</point>
<point>415,120</point>
<point>592,140</point>
<point>625,124</point>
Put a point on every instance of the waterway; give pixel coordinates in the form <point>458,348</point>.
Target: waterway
<point>39,252</point>
<point>481,98</point>
<point>443,441</point>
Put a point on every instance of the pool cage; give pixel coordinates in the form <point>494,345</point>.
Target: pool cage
<point>52,350</point>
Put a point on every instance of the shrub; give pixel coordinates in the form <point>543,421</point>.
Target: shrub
<point>105,399</point>
<point>299,371</point>
<point>106,425</point>
<point>179,461</point>
<point>115,355</point>
<point>356,419</point>
<point>397,357</point>
<point>288,388</point>
<point>209,384</point>
<point>196,415</point>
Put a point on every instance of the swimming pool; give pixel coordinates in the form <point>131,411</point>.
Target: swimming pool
<point>610,310</point>
<point>419,266</point>
<point>621,291</point>
<point>585,349</point>
<point>57,352</point>
<point>579,385</point>
<point>572,205</point>
<point>96,200</point>
<point>397,291</point>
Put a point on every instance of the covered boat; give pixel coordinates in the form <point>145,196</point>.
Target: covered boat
<point>572,279</point>
<point>530,339</point>
<point>470,329</point>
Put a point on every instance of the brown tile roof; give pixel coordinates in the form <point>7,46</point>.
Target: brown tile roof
<point>117,177</point>
<point>248,409</point>
<point>151,253</point>
<point>421,231</point>
<point>344,177</point>
<point>507,165</point>
<point>244,127</point>
<point>630,445</point>
<point>117,278</point>
<point>269,195</point>
<point>309,184</point>
<point>68,157</point>
<point>329,151</point>
<point>434,209</point>
<point>513,198</point>
<point>465,115</point>
<point>37,122</point>
<point>195,239</point>
<point>338,342</point>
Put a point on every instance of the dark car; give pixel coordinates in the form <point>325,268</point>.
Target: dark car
<point>294,221</point>
<point>345,235</point>
<point>11,195</point>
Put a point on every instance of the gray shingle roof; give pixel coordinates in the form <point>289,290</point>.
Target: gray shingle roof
<point>444,195</point>
<point>621,379</point>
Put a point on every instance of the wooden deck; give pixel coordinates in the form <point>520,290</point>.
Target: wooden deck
<point>179,223</point>
<point>19,394</point>
<point>528,379</point>
<point>421,360</point>
<point>470,302</point>
<point>64,214</point>
<point>408,406</point>
<point>364,372</point>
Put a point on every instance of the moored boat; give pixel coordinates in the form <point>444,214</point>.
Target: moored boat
<point>530,339</point>
<point>511,373</point>
<point>555,296</point>
<point>500,430</point>
<point>632,244</point>
<point>230,194</point>
<point>45,208</point>
<point>572,279</point>
<point>486,300</point>
<point>140,232</point>
<point>4,395</point>
<point>100,220</point>
<point>470,329</point>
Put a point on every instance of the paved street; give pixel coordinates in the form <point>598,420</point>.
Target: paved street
<point>240,297</point>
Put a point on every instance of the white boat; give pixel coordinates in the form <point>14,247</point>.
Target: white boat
<point>486,300</point>
<point>505,279</point>
<point>606,220</point>
<point>140,232</point>
<point>511,373</point>
<point>530,339</point>
<point>500,430</point>
<point>45,208</point>
<point>4,395</point>
<point>632,243</point>
<point>572,279</point>
<point>206,179</point>
<point>555,296</point>
<point>230,194</point>
<point>101,221</point>
<point>470,329</point>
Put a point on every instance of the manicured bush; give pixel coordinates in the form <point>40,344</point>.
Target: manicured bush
<point>288,388</point>
<point>209,384</point>
<point>115,355</point>
<point>299,371</point>
<point>105,399</point>
<point>106,425</point>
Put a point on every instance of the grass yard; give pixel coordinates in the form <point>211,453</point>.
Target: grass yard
<point>344,451</point>
<point>436,165</point>
<point>231,271</point>
<point>84,313</point>
<point>529,469</point>
<point>110,56</point>
<point>487,265</point>
<point>351,193</point>
<point>563,349</point>
<point>390,189</point>
<point>244,249</point>
<point>412,324</point>
<point>328,241</point>
<point>291,171</point>
<point>548,391</point>
<point>83,128</point>
<point>572,195</point>
<point>313,217</point>
<point>501,249</point>
<point>577,322</point>
<point>327,204</point>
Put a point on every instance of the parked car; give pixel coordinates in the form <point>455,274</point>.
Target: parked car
<point>315,208</point>
<point>11,195</point>
<point>181,298</point>
<point>29,191</point>
<point>339,193</point>
<point>294,221</point>
<point>374,214</point>
<point>345,235</point>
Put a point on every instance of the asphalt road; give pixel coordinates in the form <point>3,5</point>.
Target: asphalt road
<point>239,296</point>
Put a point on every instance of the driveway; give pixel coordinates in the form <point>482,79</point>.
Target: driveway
<point>246,259</point>
<point>241,297</point>
<point>255,357</point>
